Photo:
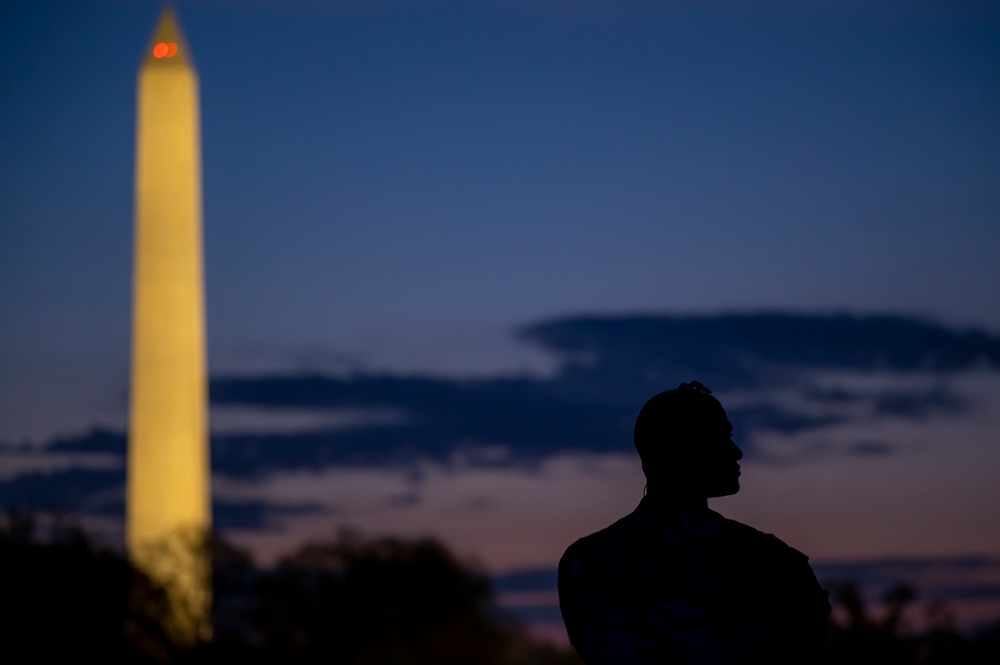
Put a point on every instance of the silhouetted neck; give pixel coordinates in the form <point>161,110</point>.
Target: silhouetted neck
<point>667,500</point>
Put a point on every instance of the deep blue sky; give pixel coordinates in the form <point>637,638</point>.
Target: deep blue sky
<point>384,180</point>
<point>399,184</point>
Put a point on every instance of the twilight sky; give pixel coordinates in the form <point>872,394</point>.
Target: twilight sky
<point>395,189</point>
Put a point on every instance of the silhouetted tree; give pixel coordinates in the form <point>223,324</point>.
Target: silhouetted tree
<point>888,638</point>
<point>385,600</point>
<point>63,597</point>
<point>354,601</point>
<point>349,600</point>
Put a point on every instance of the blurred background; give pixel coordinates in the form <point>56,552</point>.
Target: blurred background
<point>453,246</point>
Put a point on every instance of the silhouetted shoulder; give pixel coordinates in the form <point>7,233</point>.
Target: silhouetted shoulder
<point>668,584</point>
<point>600,544</point>
<point>606,620</point>
<point>760,543</point>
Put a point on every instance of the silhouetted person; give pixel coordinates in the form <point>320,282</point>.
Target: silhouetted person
<point>675,582</point>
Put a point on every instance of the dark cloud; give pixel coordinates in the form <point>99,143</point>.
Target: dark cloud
<point>72,490</point>
<point>747,350</point>
<point>914,404</point>
<point>444,417</point>
<point>831,395</point>
<point>535,613</point>
<point>102,493</point>
<point>950,579</point>
<point>472,428</point>
<point>97,440</point>
<point>871,448</point>
<point>924,571</point>
<point>766,417</point>
<point>938,573</point>
<point>526,579</point>
<point>402,500</point>
<point>258,514</point>
<point>910,404</point>
<point>611,366</point>
<point>971,577</point>
<point>468,423</point>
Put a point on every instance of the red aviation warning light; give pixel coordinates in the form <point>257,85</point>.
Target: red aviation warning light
<point>165,50</point>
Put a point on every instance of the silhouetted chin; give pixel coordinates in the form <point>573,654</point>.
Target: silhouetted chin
<point>726,489</point>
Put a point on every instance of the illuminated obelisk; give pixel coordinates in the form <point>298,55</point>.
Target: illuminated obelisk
<point>168,504</point>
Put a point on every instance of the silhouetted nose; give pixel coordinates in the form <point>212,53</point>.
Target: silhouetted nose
<point>736,450</point>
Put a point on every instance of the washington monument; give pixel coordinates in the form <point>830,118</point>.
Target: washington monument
<point>168,500</point>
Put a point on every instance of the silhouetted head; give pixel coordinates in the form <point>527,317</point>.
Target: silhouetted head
<point>684,440</point>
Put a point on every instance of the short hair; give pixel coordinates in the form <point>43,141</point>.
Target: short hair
<point>674,418</point>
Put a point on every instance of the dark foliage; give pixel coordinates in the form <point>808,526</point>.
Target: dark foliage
<point>62,597</point>
<point>865,637</point>
<point>352,600</point>
<point>357,601</point>
<point>349,601</point>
